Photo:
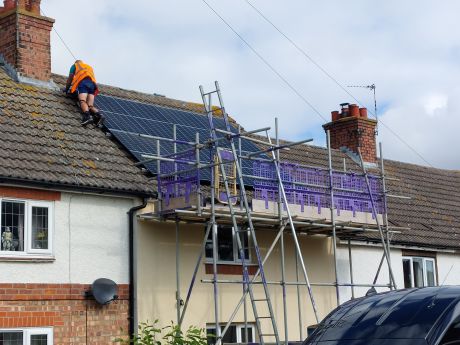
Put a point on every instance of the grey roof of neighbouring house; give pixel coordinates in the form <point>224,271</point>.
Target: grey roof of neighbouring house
<point>433,211</point>
<point>43,142</point>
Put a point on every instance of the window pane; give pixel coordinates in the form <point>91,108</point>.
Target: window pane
<point>230,335</point>
<point>12,231</point>
<point>243,334</point>
<point>208,245</point>
<point>430,272</point>
<point>225,244</point>
<point>11,338</point>
<point>244,238</point>
<point>418,272</point>
<point>211,336</point>
<point>407,273</point>
<point>38,339</point>
<point>452,334</point>
<point>39,227</point>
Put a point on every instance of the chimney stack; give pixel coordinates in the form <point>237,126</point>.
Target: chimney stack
<point>25,46</point>
<point>351,128</point>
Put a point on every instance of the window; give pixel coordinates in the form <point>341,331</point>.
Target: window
<point>452,336</point>
<point>27,336</point>
<point>227,246</point>
<point>236,333</point>
<point>419,272</point>
<point>25,227</point>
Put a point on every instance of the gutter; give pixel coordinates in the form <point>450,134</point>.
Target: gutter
<point>131,315</point>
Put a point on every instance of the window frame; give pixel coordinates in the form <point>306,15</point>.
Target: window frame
<point>29,332</point>
<point>236,259</point>
<point>424,271</point>
<point>239,327</point>
<point>27,245</point>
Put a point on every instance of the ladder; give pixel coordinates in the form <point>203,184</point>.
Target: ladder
<point>257,302</point>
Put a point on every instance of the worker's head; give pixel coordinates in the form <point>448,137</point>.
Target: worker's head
<point>78,61</point>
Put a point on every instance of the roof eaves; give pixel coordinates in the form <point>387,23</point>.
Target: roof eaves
<point>76,188</point>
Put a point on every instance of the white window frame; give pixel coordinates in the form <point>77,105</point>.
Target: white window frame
<point>236,259</point>
<point>28,250</point>
<point>29,332</point>
<point>239,331</point>
<point>424,260</point>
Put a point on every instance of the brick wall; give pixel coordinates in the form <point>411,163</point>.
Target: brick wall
<point>29,193</point>
<point>8,38</point>
<point>353,132</point>
<point>75,320</point>
<point>25,43</point>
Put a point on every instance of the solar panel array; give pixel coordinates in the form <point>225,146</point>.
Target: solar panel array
<point>125,119</point>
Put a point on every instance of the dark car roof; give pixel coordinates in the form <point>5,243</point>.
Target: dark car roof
<point>395,315</point>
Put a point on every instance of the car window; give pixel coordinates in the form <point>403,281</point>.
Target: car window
<point>452,336</point>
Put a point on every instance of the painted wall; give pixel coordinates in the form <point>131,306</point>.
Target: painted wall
<point>366,260</point>
<point>448,266</point>
<point>157,278</point>
<point>90,241</point>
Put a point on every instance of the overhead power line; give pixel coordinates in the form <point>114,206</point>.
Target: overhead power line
<point>60,37</point>
<point>322,69</point>
<point>265,61</point>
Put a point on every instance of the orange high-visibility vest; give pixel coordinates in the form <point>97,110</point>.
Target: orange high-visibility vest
<point>82,71</point>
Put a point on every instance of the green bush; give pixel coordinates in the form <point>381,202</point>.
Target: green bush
<point>152,334</point>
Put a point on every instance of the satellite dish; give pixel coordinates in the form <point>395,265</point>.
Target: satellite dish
<point>104,291</point>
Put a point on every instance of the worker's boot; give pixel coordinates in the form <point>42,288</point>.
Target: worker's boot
<point>86,119</point>
<point>98,119</point>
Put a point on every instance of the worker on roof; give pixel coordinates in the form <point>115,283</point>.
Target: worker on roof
<point>82,81</point>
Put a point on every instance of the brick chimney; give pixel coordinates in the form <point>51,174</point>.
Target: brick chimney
<point>350,128</point>
<point>25,47</point>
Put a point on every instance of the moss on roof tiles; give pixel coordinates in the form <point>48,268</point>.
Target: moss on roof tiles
<point>43,141</point>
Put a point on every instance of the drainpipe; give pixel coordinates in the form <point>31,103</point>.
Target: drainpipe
<point>131,213</point>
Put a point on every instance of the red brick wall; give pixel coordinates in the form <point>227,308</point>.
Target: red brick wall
<point>29,52</point>
<point>230,269</point>
<point>75,320</point>
<point>28,193</point>
<point>353,132</point>
<point>8,38</point>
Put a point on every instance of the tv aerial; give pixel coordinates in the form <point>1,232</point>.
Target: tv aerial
<point>103,290</point>
<point>371,87</point>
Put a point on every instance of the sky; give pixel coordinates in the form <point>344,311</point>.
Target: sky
<point>409,49</point>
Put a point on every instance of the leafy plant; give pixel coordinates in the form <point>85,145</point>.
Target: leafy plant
<point>152,334</point>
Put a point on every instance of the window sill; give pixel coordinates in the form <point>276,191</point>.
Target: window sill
<point>230,268</point>
<point>27,258</point>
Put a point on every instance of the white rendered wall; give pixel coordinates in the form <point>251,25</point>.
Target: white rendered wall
<point>90,241</point>
<point>366,261</point>
<point>448,266</point>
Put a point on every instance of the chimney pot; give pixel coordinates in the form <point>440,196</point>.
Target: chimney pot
<point>363,113</point>
<point>22,4</point>
<point>335,115</point>
<point>354,110</point>
<point>35,6</point>
<point>8,4</point>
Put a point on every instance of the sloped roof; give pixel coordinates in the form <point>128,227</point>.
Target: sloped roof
<point>433,211</point>
<point>42,142</point>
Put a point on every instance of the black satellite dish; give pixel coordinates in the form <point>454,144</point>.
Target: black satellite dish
<point>104,291</point>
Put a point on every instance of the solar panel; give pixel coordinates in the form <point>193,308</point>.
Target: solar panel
<point>126,119</point>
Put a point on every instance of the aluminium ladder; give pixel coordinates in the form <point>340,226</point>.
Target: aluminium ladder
<point>243,246</point>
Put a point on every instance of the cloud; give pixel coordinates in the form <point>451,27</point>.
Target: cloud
<point>408,49</point>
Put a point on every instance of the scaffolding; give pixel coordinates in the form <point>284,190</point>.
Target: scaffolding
<point>212,181</point>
